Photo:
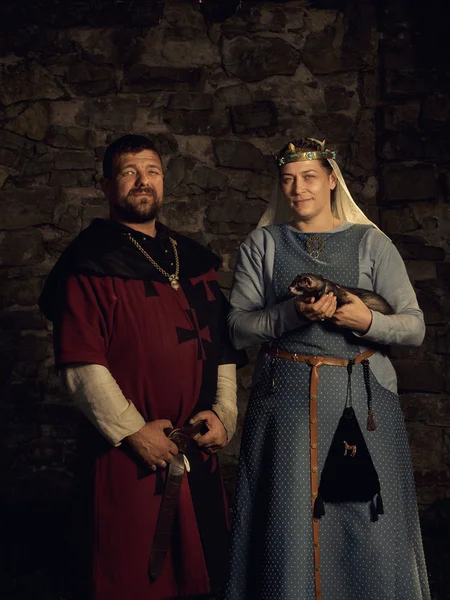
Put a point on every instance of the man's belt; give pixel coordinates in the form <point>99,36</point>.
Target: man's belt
<point>169,502</point>
<point>315,362</point>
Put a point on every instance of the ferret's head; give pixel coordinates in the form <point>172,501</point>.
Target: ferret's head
<point>307,285</point>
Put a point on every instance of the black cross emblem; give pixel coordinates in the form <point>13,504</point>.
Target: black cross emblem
<point>184,335</point>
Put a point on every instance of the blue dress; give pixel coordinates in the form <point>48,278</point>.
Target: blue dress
<point>272,542</point>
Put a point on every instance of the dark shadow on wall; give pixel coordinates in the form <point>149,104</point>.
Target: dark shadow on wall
<point>35,551</point>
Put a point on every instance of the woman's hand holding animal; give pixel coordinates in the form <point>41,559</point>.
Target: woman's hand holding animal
<point>354,314</point>
<point>323,309</point>
<point>216,436</point>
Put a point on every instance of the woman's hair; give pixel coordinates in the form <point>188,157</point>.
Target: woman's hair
<point>307,145</point>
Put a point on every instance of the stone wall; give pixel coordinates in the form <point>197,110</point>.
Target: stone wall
<point>218,96</point>
<point>413,154</point>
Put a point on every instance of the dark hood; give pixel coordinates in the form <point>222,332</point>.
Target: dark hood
<point>102,250</point>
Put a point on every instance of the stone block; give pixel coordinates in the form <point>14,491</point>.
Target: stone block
<point>414,145</point>
<point>117,114</point>
<point>256,185</point>
<point>368,89</point>
<point>430,304</point>
<point>397,55</point>
<point>233,95</point>
<point>17,320</point>
<point>432,409</point>
<point>73,178</point>
<point>408,182</point>
<point>337,98</point>
<point>4,174</point>
<point>423,438</point>
<point>415,247</point>
<point>360,39</point>
<point>398,117</point>
<point>68,212</point>
<point>99,14</point>
<point>254,59</point>
<point>240,230</point>
<point>27,80</point>
<point>196,122</point>
<point>423,376</point>
<point>94,211</point>
<point>207,179</point>
<point>23,292</point>
<point>436,109</point>
<point>31,122</point>
<point>26,207</point>
<point>188,47</point>
<point>191,101</point>
<point>237,154</point>
<point>177,14</point>
<point>141,78</point>
<point>443,270</point>
<point>175,172</point>
<point>38,166</point>
<point>398,220</point>
<point>406,84</point>
<point>320,54</point>
<point>33,348</point>
<point>442,340</point>
<point>15,149</point>
<point>334,126</point>
<point>88,79</point>
<point>370,191</point>
<point>366,136</point>
<point>419,270</point>
<point>185,217</point>
<point>74,160</point>
<point>231,207</point>
<point>255,117</point>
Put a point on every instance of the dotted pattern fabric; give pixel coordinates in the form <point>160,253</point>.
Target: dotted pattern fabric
<point>272,546</point>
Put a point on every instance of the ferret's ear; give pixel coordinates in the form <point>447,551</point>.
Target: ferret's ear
<point>308,281</point>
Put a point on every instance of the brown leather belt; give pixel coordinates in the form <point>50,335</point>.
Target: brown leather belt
<point>315,362</point>
<point>169,502</point>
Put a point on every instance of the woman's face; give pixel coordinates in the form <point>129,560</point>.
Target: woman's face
<point>307,186</point>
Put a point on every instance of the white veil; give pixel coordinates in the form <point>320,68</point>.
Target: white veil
<point>343,207</point>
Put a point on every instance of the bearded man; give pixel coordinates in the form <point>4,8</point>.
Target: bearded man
<point>141,344</point>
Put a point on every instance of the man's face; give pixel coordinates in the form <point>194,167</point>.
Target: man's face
<point>135,191</point>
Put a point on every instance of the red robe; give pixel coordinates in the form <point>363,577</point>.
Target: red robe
<point>163,346</point>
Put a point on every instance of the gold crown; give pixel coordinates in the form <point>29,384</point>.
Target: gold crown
<point>293,154</point>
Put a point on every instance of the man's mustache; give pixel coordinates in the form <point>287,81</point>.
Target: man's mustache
<point>146,190</point>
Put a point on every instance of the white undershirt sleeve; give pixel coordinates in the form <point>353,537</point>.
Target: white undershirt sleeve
<point>96,393</point>
<point>225,405</point>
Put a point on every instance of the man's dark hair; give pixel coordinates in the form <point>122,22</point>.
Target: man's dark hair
<point>127,143</point>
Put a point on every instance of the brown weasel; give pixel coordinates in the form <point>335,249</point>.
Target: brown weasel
<point>307,285</point>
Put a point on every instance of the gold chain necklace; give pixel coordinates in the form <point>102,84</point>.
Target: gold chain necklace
<point>173,279</point>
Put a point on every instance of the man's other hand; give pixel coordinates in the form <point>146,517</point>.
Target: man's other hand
<point>216,436</point>
<point>152,445</point>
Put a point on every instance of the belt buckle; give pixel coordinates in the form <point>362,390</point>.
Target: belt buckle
<point>295,356</point>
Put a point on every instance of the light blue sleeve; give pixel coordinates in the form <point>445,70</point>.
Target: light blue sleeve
<point>255,317</point>
<point>382,270</point>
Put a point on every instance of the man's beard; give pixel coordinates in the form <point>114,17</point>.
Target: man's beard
<point>140,212</point>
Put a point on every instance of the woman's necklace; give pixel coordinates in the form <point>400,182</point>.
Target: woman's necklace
<point>316,243</point>
<point>173,279</point>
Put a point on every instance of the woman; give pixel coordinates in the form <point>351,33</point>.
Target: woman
<point>282,549</point>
